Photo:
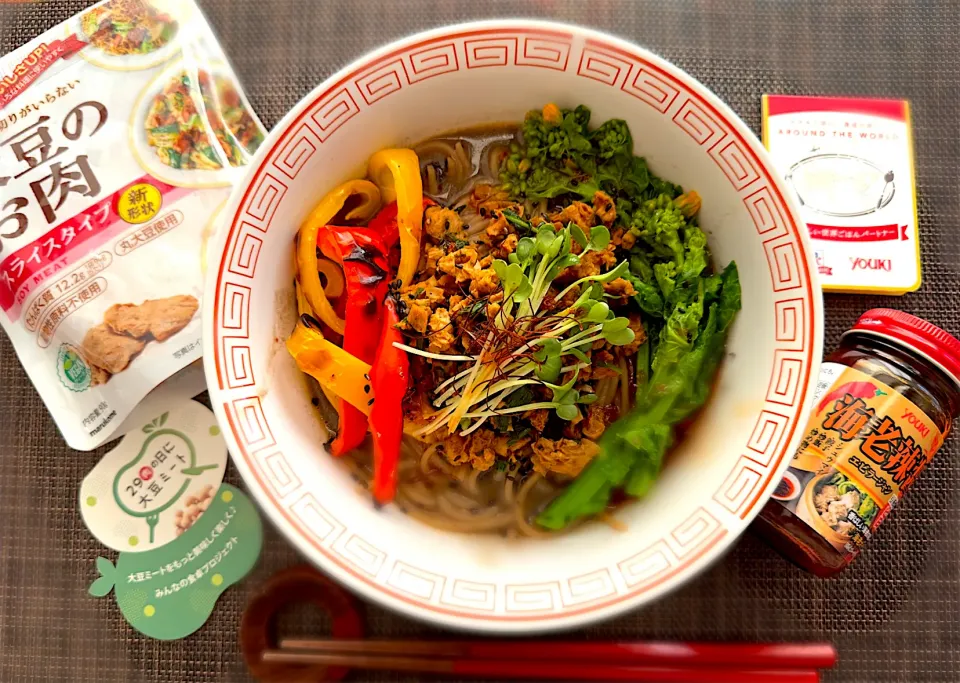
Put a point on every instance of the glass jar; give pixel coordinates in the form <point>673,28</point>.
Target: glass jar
<point>883,404</point>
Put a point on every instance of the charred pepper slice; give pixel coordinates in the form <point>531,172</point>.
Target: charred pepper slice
<point>360,252</point>
<point>336,370</point>
<point>307,240</point>
<point>389,376</point>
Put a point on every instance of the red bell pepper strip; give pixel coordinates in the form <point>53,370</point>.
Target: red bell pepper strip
<point>385,225</point>
<point>389,376</point>
<point>361,253</point>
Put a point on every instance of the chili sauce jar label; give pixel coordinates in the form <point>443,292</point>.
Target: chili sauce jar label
<point>864,446</point>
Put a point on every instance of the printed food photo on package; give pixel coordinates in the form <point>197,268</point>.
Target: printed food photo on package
<point>122,132</point>
<point>127,329</point>
<point>123,27</point>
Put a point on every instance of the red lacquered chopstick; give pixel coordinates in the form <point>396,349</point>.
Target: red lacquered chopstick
<point>671,654</point>
<point>504,669</point>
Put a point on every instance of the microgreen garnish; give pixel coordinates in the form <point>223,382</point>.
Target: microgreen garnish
<point>527,346</point>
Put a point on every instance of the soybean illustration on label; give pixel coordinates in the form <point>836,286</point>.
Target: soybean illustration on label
<point>157,482</point>
<point>170,591</point>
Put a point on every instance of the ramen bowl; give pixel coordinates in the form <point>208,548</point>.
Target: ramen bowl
<point>712,485</point>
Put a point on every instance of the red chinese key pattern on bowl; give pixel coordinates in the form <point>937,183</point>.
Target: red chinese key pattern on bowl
<point>672,97</point>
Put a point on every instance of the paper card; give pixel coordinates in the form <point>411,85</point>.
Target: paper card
<point>157,481</point>
<point>169,592</point>
<point>849,164</point>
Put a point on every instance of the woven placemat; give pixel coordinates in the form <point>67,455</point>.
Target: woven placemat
<point>893,615</point>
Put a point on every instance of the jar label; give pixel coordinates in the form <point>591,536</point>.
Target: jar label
<point>864,446</point>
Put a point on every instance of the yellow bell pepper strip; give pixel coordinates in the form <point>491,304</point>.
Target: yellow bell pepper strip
<point>322,214</point>
<point>385,224</point>
<point>397,173</point>
<point>335,284</point>
<point>336,370</point>
<point>368,195</point>
<point>303,307</point>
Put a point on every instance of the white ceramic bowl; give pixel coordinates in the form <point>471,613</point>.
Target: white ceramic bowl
<point>712,486</point>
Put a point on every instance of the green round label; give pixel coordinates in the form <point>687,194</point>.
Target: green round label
<point>72,369</point>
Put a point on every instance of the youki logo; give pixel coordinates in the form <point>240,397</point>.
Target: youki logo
<point>870,264</point>
<point>822,267</point>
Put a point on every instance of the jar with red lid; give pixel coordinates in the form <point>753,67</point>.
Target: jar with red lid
<point>884,402</point>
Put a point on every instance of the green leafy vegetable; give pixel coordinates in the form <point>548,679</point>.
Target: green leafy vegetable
<point>687,309</point>
<point>688,353</point>
<point>520,397</point>
<point>549,358</point>
<point>561,157</point>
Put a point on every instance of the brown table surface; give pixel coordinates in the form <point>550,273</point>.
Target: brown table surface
<point>893,615</point>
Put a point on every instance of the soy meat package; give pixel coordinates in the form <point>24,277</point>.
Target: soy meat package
<point>122,131</point>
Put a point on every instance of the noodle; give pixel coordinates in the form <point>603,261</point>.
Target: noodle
<point>406,465</point>
<point>611,521</point>
<point>464,165</point>
<point>471,482</point>
<point>430,457</point>
<point>474,224</point>
<point>411,448</point>
<point>454,497</point>
<point>520,509</point>
<point>465,513</point>
<point>478,525</point>
<point>421,495</point>
<point>433,186</point>
<point>433,149</point>
<point>454,160</point>
<point>459,498</point>
<point>507,493</point>
<point>493,159</point>
<point>425,456</point>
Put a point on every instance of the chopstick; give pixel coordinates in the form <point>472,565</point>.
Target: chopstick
<point>506,669</point>
<point>675,654</point>
<point>645,662</point>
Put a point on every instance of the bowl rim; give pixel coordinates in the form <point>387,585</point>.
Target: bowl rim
<point>621,602</point>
